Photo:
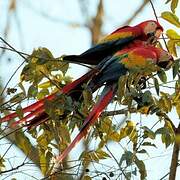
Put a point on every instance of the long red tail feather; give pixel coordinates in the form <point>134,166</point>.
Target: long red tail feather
<point>91,119</point>
<point>37,107</point>
<point>28,117</point>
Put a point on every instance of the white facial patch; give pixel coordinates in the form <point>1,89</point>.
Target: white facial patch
<point>150,28</point>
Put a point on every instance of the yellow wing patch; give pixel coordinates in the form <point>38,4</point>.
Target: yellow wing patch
<point>115,36</point>
<point>135,61</point>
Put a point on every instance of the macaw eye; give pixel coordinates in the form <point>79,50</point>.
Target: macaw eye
<point>152,24</point>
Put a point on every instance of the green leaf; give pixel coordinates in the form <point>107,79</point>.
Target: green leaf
<point>114,136</point>
<point>23,142</point>
<point>167,134</point>
<point>141,166</point>
<point>43,162</point>
<point>178,109</point>
<point>148,144</point>
<point>41,94</point>
<point>142,151</point>
<point>167,1</point>
<point>86,178</point>
<point>121,87</point>
<point>171,18</point>
<point>165,102</point>
<point>148,132</point>
<point>17,98</point>
<point>93,156</point>
<point>162,76</point>
<point>174,4</point>
<point>156,84</point>
<point>172,47</point>
<point>161,131</point>
<point>172,34</point>
<point>22,87</point>
<point>43,55</point>
<point>2,165</point>
<point>106,125</point>
<point>127,157</point>
<point>174,40</point>
<point>101,154</point>
<point>131,131</point>
<point>44,139</point>
<point>64,133</point>
<point>87,95</point>
<point>32,91</point>
<point>19,111</point>
<point>175,69</point>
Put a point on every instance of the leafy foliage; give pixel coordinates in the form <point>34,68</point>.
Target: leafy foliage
<point>43,75</point>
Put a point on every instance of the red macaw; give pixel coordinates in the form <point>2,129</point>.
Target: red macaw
<point>117,40</point>
<point>118,65</point>
<point>100,74</point>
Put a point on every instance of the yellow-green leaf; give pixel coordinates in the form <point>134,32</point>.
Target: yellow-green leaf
<point>172,47</point>
<point>171,18</point>
<point>64,133</point>
<point>41,94</point>
<point>93,156</point>
<point>172,34</point>
<point>43,162</point>
<point>131,131</point>
<point>167,1</point>
<point>23,142</point>
<point>174,4</point>
<point>101,154</point>
<point>156,84</point>
<point>2,163</point>
<point>87,95</point>
<point>86,178</point>
<point>148,133</point>
<point>19,111</point>
<point>149,144</point>
<point>46,84</point>
<point>44,139</point>
<point>141,166</point>
<point>106,125</point>
<point>17,98</point>
<point>178,109</point>
<point>162,76</point>
<point>175,68</point>
<point>32,91</point>
<point>114,136</point>
<point>121,87</point>
<point>177,139</point>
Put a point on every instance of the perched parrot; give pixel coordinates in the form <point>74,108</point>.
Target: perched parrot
<point>108,73</point>
<point>121,38</point>
<point>73,89</point>
<point>117,66</point>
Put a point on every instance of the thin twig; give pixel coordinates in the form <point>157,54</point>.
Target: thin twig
<point>116,162</point>
<point>155,14</point>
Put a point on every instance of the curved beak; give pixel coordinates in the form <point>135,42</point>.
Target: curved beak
<point>158,32</point>
<point>166,64</point>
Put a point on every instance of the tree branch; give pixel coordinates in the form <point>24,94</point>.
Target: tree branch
<point>175,155</point>
<point>97,22</point>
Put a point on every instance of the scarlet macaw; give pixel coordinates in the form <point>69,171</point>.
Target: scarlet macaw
<point>121,38</point>
<point>107,72</point>
<point>117,66</point>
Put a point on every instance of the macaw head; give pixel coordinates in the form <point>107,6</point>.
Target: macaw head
<point>165,59</point>
<point>151,28</point>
